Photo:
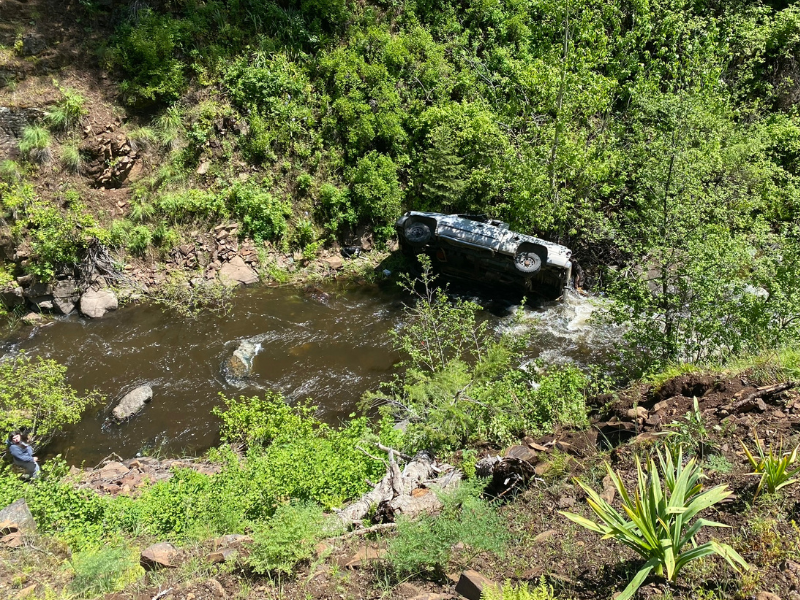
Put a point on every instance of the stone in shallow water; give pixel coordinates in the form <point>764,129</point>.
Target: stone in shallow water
<point>132,402</point>
<point>236,271</point>
<point>96,303</point>
<point>240,363</point>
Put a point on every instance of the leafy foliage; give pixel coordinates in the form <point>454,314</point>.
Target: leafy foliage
<point>775,468</point>
<point>462,384</point>
<point>290,537</point>
<point>657,526</point>
<point>68,111</point>
<point>424,546</point>
<point>34,394</point>
<point>542,591</point>
<point>104,570</point>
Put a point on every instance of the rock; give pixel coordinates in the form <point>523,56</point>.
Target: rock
<point>640,412</point>
<point>158,555</point>
<point>407,590</point>
<point>565,502</point>
<point>26,592</point>
<point>12,540</point>
<point>203,168</point>
<point>545,535</point>
<point>66,296</point>
<point>33,44</point>
<point>95,303</point>
<point>767,596</point>
<point>471,585</point>
<point>25,280</point>
<point>113,470</point>
<point>542,468</point>
<point>236,271</point>
<point>609,490</point>
<point>364,556</point>
<point>521,452</point>
<point>132,402</point>
<point>18,516</point>
<point>12,297</point>
<point>38,290</point>
<point>42,303</point>
<point>240,364</point>
<point>33,318</point>
<point>216,588</point>
<point>222,556</point>
<point>334,262</point>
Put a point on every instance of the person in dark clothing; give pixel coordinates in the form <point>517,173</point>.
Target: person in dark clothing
<point>22,455</point>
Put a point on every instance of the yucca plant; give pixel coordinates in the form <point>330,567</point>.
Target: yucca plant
<point>657,517</point>
<point>774,468</point>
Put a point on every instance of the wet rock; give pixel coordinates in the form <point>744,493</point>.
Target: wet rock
<point>11,297</point>
<point>161,555</point>
<point>17,517</point>
<point>132,402</point>
<point>237,272</point>
<point>471,585</point>
<point>66,296</point>
<point>240,364</point>
<point>96,303</point>
<point>33,318</point>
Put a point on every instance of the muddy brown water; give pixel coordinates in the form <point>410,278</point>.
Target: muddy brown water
<point>331,351</point>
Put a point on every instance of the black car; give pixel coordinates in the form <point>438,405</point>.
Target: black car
<point>486,250</point>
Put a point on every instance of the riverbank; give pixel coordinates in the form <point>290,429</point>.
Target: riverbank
<point>539,546</point>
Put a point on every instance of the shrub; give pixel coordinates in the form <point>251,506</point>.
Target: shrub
<point>10,171</point>
<point>337,208</point>
<point>145,52</point>
<point>262,216</point>
<point>35,144</point>
<point>376,191</point>
<point>68,110</point>
<point>659,528</point>
<point>425,546</point>
<point>34,394</point>
<point>290,537</point>
<point>103,570</point>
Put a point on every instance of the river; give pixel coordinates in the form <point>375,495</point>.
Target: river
<point>331,351</point>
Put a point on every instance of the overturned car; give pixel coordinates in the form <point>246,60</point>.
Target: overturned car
<point>480,249</point>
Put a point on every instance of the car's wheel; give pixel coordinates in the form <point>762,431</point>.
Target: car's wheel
<point>527,261</point>
<point>417,233</point>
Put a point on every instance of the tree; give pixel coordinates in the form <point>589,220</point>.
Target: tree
<point>34,395</point>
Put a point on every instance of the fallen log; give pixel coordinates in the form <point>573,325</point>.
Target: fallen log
<point>748,400</point>
<point>403,492</point>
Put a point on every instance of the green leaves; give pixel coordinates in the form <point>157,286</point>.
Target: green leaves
<point>775,468</point>
<point>656,519</point>
<point>35,394</point>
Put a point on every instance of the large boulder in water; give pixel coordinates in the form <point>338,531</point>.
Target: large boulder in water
<point>96,303</point>
<point>240,363</point>
<point>132,402</point>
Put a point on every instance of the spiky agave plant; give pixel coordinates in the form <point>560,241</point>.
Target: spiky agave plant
<point>774,467</point>
<point>656,522</point>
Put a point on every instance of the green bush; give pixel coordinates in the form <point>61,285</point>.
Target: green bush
<point>10,171</point>
<point>290,537</point>
<point>191,300</point>
<point>337,209</point>
<point>376,191</point>
<point>145,52</point>
<point>542,591</point>
<point>68,111</point>
<point>424,546</point>
<point>262,216</point>
<point>34,394</point>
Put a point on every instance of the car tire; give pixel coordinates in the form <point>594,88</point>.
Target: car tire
<point>417,233</point>
<point>528,262</point>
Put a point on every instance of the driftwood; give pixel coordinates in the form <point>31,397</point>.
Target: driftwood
<point>747,399</point>
<point>403,492</point>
